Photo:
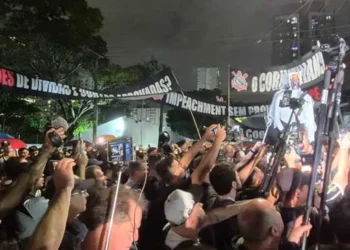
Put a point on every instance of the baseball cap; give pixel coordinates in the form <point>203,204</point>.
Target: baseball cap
<point>178,207</point>
<point>79,185</point>
<point>94,162</point>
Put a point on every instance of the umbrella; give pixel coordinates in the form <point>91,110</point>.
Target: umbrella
<point>5,136</point>
<point>105,138</point>
<point>15,143</point>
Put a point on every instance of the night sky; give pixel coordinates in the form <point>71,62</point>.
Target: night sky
<point>186,34</point>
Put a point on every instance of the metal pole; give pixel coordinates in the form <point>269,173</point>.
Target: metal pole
<point>114,207</point>
<point>332,140</point>
<point>161,118</point>
<point>327,123</point>
<point>228,95</point>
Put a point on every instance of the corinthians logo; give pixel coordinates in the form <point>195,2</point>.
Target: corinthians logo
<point>239,81</point>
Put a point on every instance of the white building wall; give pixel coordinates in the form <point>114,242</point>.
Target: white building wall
<point>142,133</point>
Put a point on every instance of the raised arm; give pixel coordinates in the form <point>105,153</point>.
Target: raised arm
<point>50,231</point>
<point>38,166</point>
<point>245,171</point>
<point>192,152</point>
<point>208,161</point>
<point>14,194</point>
<point>341,177</point>
<point>218,215</point>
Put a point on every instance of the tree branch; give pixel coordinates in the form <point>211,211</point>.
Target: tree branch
<point>35,69</point>
<point>81,114</point>
<point>70,73</point>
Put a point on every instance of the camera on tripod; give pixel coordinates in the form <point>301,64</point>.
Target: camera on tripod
<point>296,103</point>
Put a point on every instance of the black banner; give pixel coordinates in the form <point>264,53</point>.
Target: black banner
<point>209,108</point>
<point>16,83</point>
<point>261,86</point>
<point>252,134</point>
<point>164,83</point>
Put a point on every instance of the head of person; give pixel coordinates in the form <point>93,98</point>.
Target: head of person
<point>137,171</point>
<point>140,155</point>
<point>127,218</point>
<point>255,179</point>
<point>96,173</point>
<point>294,186</point>
<point>339,216</point>
<point>152,163</point>
<point>6,146</point>
<point>182,211</point>
<point>151,151</point>
<point>33,152</point>
<point>230,151</point>
<point>23,153</point>
<point>183,145</point>
<point>170,169</point>
<point>14,167</point>
<point>223,178</point>
<point>295,81</point>
<point>260,225</point>
<point>78,198</point>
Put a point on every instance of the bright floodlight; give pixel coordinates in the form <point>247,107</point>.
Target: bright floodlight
<point>101,140</point>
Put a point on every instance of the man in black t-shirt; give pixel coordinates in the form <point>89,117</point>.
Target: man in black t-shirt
<point>224,181</point>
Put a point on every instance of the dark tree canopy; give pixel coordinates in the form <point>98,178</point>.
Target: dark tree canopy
<point>67,22</point>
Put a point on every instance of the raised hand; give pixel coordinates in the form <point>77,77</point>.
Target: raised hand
<point>63,176</point>
<point>60,132</point>
<point>220,133</point>
<point>209,132</point>
<point>298,230</point>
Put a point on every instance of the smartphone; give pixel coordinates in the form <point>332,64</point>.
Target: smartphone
<point>307,163</point>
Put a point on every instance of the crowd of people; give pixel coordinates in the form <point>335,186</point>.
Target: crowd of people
<point>200,195</point>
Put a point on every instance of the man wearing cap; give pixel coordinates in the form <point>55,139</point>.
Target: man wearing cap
<point>186,218</point>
